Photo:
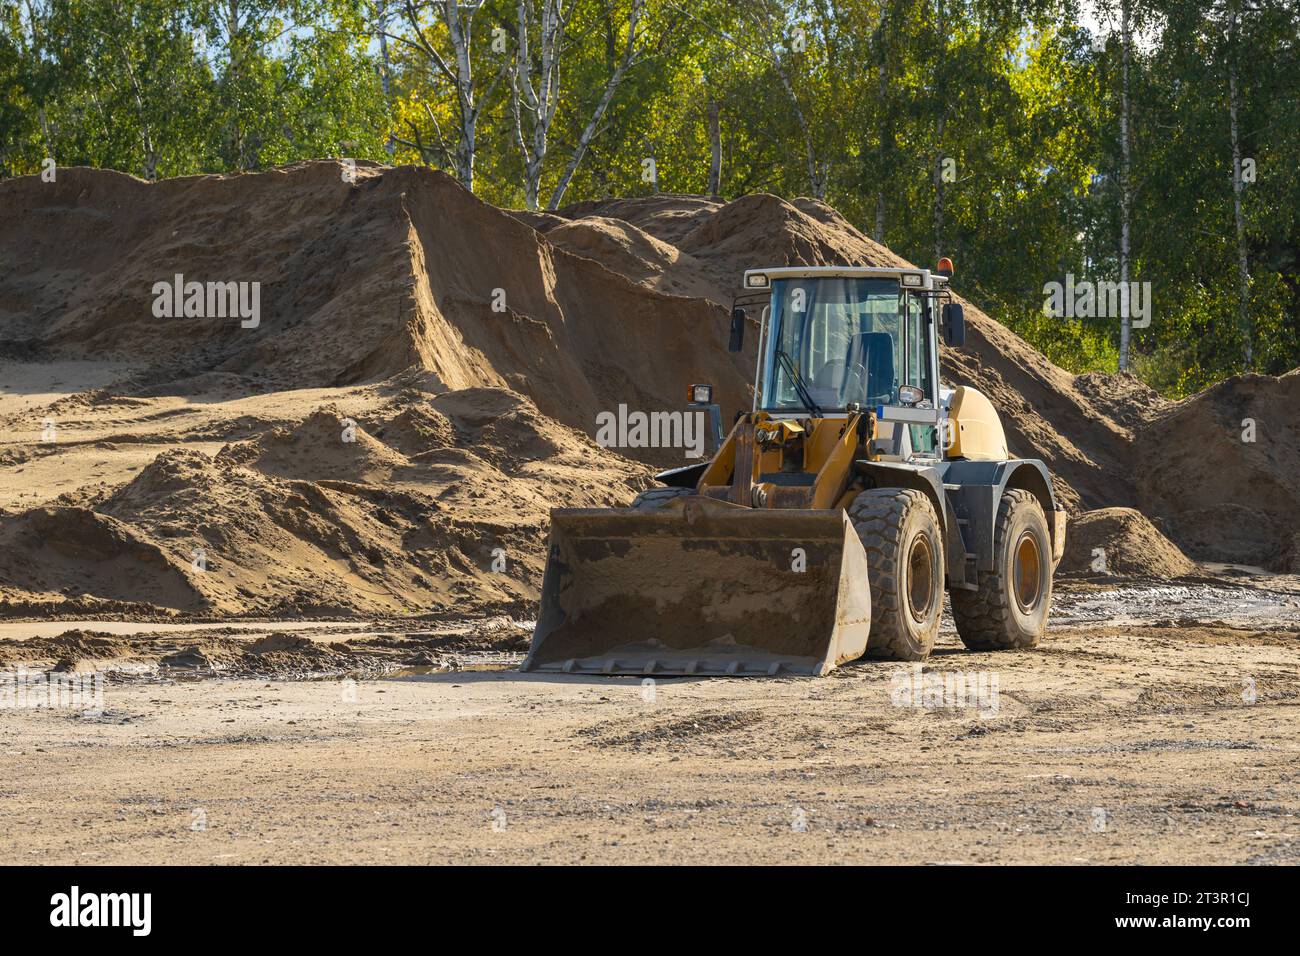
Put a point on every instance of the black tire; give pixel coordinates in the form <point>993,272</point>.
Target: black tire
<point>900,532</point>
<point>1009,609</point>
<point>656,498</point>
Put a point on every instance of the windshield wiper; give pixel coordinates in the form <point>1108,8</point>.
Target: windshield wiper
<point>788,364</point>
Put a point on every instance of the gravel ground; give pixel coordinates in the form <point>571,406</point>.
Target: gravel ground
<point>1109,744</point>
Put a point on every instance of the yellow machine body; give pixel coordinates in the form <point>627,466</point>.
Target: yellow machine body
<point>748,564</point>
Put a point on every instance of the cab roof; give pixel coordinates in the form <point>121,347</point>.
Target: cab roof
<point>928,280</point>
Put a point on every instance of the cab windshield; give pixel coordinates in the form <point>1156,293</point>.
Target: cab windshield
<point>844,340</point>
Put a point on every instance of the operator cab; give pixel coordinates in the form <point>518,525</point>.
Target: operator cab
<point>833,340</point>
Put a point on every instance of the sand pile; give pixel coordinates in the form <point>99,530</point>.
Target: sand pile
<point>1121,542</point>
<point>1218,498</point>
<point>89,562</point>
<point>73,650</point>
<point>1123,397</point>
<point>484,344</point>
<point>1223,470</point>
<point>322,518</point>
<point>356,282</point>
<point>622,302</point>
<point>1045,416</point>
<point>275,654</point>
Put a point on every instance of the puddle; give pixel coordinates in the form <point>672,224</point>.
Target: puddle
<point>459,664</point>
<point>21,630</point>
<point>25,629</point>
<point>1183,603</point>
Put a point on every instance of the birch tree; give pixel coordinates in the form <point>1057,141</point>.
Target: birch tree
<point>715,146</point>
<point>884,124</point>
<point>379,13</point>
<point>535,87</point>
<point>634,50</point>
<point>456,68</point>
<point>1125,183</point>
<point>37,16</point>
<point>818,167</point>
<point>1124,178</point>
<point>1239,222</point>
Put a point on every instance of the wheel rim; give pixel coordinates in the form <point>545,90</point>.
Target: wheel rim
<point>1027,573</point>
<point>920,579</point>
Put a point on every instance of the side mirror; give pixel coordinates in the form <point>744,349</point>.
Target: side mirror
<point>954,324</point>
<point>737,342</point>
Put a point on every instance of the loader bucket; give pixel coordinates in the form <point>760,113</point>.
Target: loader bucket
<point>701,588</point>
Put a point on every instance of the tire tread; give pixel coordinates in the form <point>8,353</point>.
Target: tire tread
<point>879,515</point>
<point>984,616</point>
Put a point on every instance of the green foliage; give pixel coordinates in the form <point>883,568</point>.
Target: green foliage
<point>1079,345</point>
<point>159,88</point>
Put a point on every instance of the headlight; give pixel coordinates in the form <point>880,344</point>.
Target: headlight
<point>913,280</point>
<point>910,394</point>
<point>756,281</point>
<point>701,394</point>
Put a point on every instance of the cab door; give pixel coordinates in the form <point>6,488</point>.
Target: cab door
<point>919,367</point>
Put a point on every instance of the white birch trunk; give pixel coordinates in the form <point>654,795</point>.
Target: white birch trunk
<point>630,56</point>
<point>1243,265</point>
<point>1125,198</point>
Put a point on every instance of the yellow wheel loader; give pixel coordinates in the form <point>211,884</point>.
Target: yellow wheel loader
<point>830,521</point>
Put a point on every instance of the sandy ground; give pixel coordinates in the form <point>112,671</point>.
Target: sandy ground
<point>1131,744</point>
<point>106,443</point>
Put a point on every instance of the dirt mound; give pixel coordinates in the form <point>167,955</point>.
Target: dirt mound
<point>1045,417</point>
<point>1089,429</point>
<point>1223,470</point>
<point>415,430</point>
<point>628,251</point>
<point>260,544</point>
<point>322,518</point>
<point>74,649</point>
<point>668,217</point>
<point>280,643</point>
<point>274,546</point>
<point>326,446</point>
<point>423,379</point>
<point>611,302</point>
<point>279,652</point>
<point>1121,541</point>
<point>1124,397</point>
<point>50,557</point>
<point>377,276</point>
